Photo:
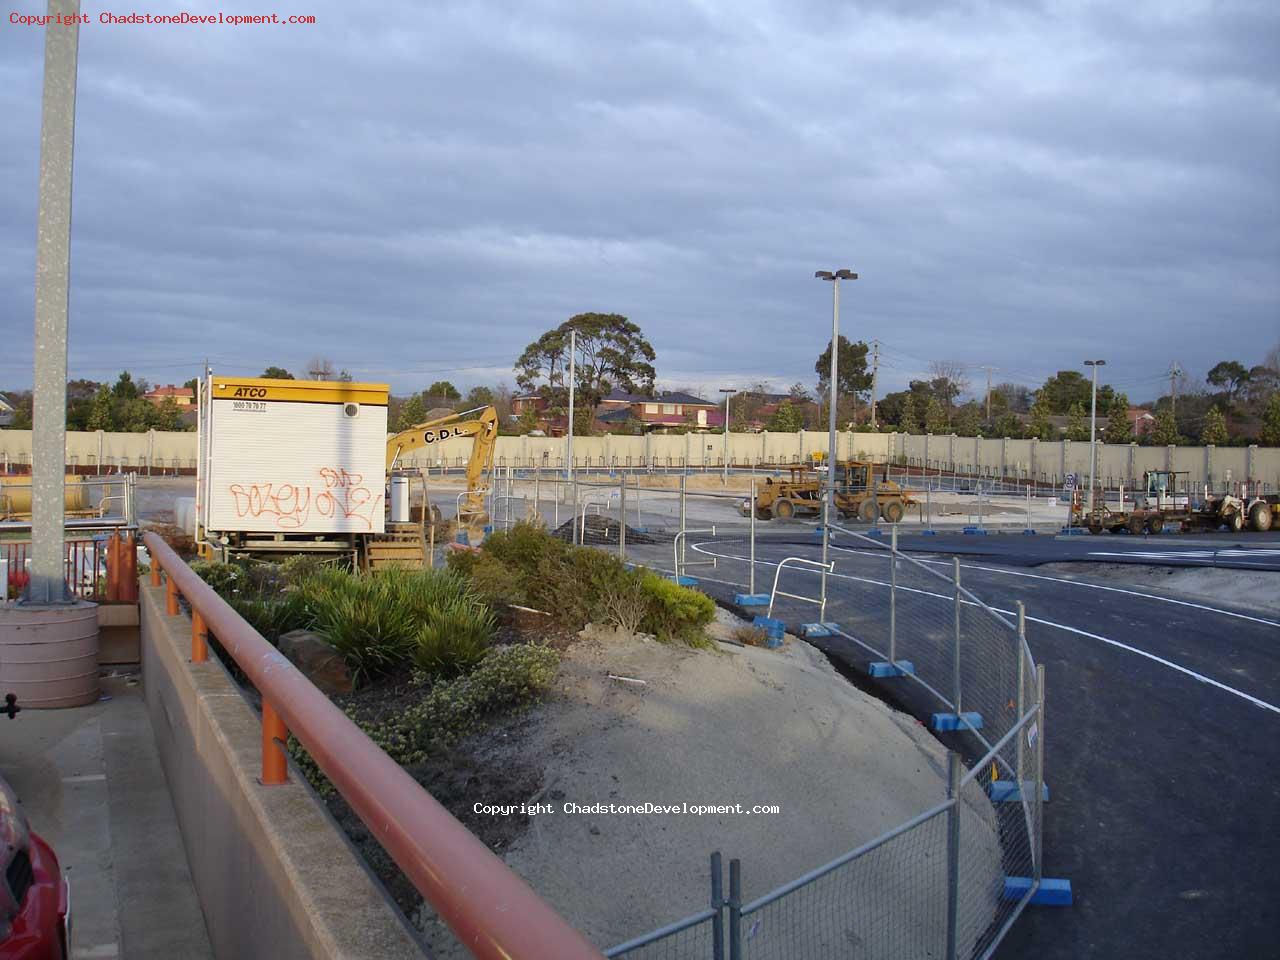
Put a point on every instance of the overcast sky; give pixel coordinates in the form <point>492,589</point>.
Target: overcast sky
<point>417,191</point>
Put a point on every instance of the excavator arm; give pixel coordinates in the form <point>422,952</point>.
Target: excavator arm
<point>484,431</point>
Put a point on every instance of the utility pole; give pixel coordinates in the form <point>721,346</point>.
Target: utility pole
<point>1093,427</point>
<point>875,371</point>
<point>573,344</point>
<point>989,369</point>
<point>1174,371</point>
<point>53,273</point>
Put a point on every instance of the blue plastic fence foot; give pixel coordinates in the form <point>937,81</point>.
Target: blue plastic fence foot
<point>773,628</point>
<point>1052,892</point>
<point>1073,531</point>
<point>975,531</point>
<point>818,630</point>
<point>684,581</point>
<point>929,533</point>
<point>640,529</point>
<point>1028,533</point>
<point>884,669</point>
<point>1007,791</point>
<point>462,538</point>
<point>488,528</point>
<point>943,722</point>
<point>751,599</point>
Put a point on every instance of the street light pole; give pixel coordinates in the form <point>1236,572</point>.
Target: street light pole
<point>833,393</point>
<point>1093,426</point>
<point>727,394</point>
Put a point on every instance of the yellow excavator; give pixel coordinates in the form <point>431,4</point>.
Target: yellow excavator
<point>483,427</point>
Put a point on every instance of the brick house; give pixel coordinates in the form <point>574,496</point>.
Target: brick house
<point>664,410</point>
<point>182,396</point>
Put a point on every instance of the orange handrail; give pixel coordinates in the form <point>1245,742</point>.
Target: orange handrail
<point>492,912</point>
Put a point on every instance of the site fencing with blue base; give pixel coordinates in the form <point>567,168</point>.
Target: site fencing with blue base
<point>950,881</point>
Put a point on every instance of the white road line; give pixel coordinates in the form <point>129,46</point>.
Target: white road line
<point>1074,583</point>
<point>1048,623</point>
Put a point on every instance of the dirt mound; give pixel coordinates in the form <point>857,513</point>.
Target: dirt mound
<point>597,530</point>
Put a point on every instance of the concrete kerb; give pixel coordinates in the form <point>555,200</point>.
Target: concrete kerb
<point>275,875</point>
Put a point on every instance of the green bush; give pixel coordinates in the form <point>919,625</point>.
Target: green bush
<point>497,582</point>
<point>455,637</point>
<point>676,612</point>
<point>506,678</point>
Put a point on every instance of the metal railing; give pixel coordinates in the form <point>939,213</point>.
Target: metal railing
<point>102,568</point>
<point>443,860</point>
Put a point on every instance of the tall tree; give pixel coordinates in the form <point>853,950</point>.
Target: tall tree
<point>1214,431</point>
<point>100,416</point>
<point>1271,422</point>
<point>909,419</point>
<point>799,393</point>
<point>412,412</point>
<point>851,368</point>
<point>478,397</point>
<point>968,421</point>
<point>948,381</point>
<point>1077,429</point>
<point>1165,432</point>
<point>1068,387</point>
<point>935,418</point>
<point>611,353</point>
<point>125,388</point>
<point>167,415</point>
<point>1040,427</point>
<point>276,373</point>
<point>1007,425</point>
<point>442,393</point>
<point>786,419</point>
<point>1119,427</point>
<point>1231,376</point>
<point>1016,397</point>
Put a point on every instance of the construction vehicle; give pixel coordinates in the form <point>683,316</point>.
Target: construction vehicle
<point>483,428</point>
<point>1165,500</point>
<point>863,491</point>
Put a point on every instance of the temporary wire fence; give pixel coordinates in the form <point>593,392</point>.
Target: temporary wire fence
<point>950,881</point>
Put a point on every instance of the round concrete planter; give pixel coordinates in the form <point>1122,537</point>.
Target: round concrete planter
<point>49,654</point>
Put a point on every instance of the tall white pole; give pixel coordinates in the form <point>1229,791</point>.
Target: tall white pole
<point>831,419</point>
<point>1093,439</point>
<point>573,343</point>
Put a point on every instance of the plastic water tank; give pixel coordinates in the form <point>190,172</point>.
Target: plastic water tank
<point>399,499</point>
<point>49,655</point>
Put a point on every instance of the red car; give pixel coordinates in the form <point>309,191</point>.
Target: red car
<point>35,899</point>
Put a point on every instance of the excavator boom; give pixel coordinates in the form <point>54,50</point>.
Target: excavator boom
<point>482,428</point>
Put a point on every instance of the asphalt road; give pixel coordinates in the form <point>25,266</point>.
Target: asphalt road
<point>1162,749</point>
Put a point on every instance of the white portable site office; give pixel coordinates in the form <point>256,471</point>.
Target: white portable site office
<point>291,456</point>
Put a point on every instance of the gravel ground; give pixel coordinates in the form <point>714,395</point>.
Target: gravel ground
<point>735,725</point>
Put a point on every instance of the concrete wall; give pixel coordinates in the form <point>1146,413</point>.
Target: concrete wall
<point>275,876</point>
<point>1020,459</point>
<point>1051,462</point>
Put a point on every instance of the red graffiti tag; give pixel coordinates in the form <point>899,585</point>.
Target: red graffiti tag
<point>344,496</point>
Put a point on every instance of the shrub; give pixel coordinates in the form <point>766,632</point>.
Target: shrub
<point>496,582</point>
<point>751,635</point>
<point>455,637</point>
<point>506,678</point>
<point>676,612</point>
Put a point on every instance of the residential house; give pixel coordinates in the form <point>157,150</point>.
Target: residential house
<point>182,396</point>
<point>1142,421</point>
<point>6,412</point>
<point>672,409</point>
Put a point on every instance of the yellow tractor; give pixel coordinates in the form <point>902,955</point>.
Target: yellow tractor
<point>861,486</point>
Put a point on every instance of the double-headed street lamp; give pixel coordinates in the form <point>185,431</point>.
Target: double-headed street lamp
<point>835,276</point>
<point>1093,425</point>
<point>725,456</point>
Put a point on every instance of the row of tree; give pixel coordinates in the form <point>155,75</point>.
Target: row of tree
<point>117,407</point>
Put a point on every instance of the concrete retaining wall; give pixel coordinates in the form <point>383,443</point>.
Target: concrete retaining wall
<point>1021,459</point>
<point>275,876</point>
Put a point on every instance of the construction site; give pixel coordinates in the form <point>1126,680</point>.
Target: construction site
<point>575,580</point>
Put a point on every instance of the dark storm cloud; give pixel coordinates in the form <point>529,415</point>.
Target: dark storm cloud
<point>425,189</point>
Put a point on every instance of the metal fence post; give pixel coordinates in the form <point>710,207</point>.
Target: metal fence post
<point>751,572</point>
<point>1038,840</point>
<point>275,738</point>
<point>928,507</point>
<point>735,909</point>
<point>955,653</point>
<point>893,595</point>
<point>576,537</point>
<point>622,517</point>
<point>682,480</point>
<point>1019,643</point>
<point>639,522</point>
<point>717,904</point>
<point>953,854</point>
